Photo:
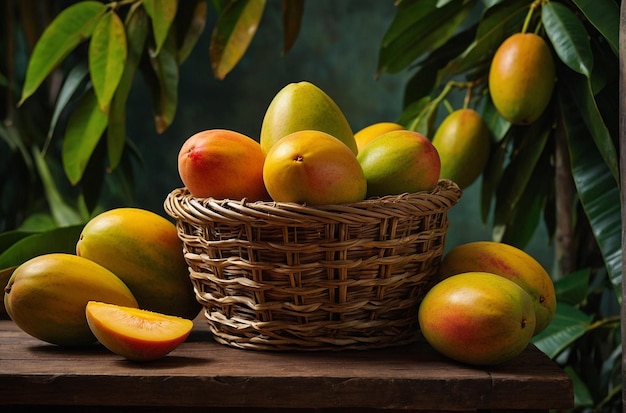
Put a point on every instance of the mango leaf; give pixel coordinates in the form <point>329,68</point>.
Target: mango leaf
<point>162,14</point>
<point>567,326</point>
<point>137,26</point>
<point>107,57</point>
<point>597,189</point>
<point>9,238</point>
<point>573,288</point>
<point>191,28</point>
<point>568,36</point>
<point>62,213</point>
<point>292,19</point>
<point>71,85</point>
<point>496,23</point>
<point>418,28</point>
<point>582,395</point>
<point>236,26</point>
<point>604,16</point>
<point>70,28</point>
<point>62,240</point>
<point>85,127</point>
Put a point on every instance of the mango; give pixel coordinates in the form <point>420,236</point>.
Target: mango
<point>136,334</point>
<point>477,318</point>
<point>46,297</point>
<point>463,143</point>
<point>509,262</point>
<point>521,78</point>
<point>143,249</point>
<point>399,161</point>
<point>304,106</point>
<point>315,168</point>
<point>373,131</point>
<point>222,163</point>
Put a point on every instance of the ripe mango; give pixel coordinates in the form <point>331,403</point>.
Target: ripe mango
<point>143,249</point>
<point>463,143</point>
<point>509,262</point>
<point>313,167</point>
<point>304,106</point>
<point>46,297</point>
<point>373,131</point>
<point>521,78</point>
<point>399,161</point>
<point>477,318</point>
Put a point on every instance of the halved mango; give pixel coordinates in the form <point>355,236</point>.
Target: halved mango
<point>136,334</point>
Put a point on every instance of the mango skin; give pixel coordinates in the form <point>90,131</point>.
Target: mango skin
<point>313,167</point>
<point>477,318</point>
<point>373,131</point>
<point>400,161</point>
<point>521,78</point>
<point>463,143</point>
<point>143,249</point>
<point>304,106</point>
<point>46,297</point>
<point>509,262</point>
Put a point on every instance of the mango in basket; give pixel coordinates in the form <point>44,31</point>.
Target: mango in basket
<point>477,318</point>
<point>46,297</point>
<point>509,262</point>
<point>136,334</point>
<point>304,106</point>
<point>400,161</point>
<point>143,249</point>
<point>370,132</point>
<point>222,163</point>
<point>313,167</point>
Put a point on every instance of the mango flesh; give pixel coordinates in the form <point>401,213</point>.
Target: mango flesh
<point>477,318</point>
<point>143,249</point>
<point>521,78</point>
<point>46,297</point>
<point>509,262</point>
<point>399,161</point>
<point>304,106</point>
<point>315,168</point>
<point>463,143</point>
<point>373,131</point>
<point>222,163</point>
<point>136,334</point>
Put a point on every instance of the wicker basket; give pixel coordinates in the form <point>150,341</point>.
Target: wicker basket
<point>284,276</point>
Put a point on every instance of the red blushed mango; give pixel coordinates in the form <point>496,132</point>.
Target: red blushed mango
<point>222,164</point>
<point>521,78</point>
<point>477,318</point>
<point>136,334</point>
<point>399,161</point>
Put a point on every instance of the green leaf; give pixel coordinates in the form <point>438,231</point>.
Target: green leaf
<point>137,26</point>
<point>597,189</point>
<point>568,36</point>
<point>567,326</point>
<point>9,238</point>
<point>418,28</point>
<point>573,288</point>
<point>292,20</point>
<point>107,57</point>
<point>62,240</point>
<point>70,28</point>
<point>604,16</point>
<point>193,27</point>
<point>236,26</point>
<point>162,13</point>
<point>62,213</point>
<point>71,85</point>
<point>164,87</point>
<point>582,395</point>
<point>84,129</point>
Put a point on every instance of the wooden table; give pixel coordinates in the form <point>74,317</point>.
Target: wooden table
<point>202,375</point>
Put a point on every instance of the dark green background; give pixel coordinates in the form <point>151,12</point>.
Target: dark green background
<point>337,50</point>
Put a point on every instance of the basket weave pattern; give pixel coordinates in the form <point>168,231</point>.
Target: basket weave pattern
<point>283,276</point>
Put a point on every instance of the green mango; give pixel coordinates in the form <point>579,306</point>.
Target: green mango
<point>304,106</point>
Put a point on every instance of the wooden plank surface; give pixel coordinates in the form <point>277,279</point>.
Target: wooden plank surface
<point>202,373</point>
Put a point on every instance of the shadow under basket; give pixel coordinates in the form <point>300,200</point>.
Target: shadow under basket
<point>286,276</point>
